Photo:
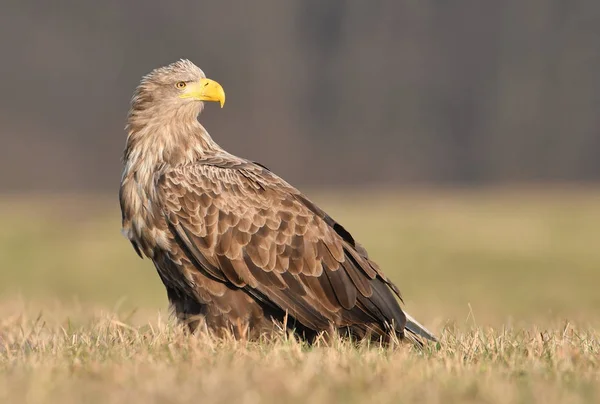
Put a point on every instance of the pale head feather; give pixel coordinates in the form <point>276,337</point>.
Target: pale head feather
<point>157,94</point>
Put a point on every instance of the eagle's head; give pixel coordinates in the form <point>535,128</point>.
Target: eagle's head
<point>179,87</point>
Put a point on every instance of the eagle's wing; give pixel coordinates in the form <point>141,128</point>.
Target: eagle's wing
<point>244,226</point>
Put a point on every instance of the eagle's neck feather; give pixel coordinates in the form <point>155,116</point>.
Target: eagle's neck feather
<point>171,138</point>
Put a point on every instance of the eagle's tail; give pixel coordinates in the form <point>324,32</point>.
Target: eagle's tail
<point>417,332</point>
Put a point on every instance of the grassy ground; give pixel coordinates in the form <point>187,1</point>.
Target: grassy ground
<point>507,278</point>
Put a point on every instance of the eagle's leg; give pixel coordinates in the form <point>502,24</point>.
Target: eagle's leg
<point>187,310</point>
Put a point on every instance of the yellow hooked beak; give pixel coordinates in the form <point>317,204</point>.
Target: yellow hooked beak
<point>205,90</point>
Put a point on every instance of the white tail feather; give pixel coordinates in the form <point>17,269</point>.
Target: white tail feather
<point>414,327</point>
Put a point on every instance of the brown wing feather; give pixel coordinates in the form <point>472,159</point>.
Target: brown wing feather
<point>244,226</point>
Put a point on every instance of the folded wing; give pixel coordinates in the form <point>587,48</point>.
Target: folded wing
<point>242,225</point>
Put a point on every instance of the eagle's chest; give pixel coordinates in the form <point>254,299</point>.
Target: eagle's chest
<point>143,220</point>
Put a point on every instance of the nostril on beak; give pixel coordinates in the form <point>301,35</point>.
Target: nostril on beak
<point>205,84</point>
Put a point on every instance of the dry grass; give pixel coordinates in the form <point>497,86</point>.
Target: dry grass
<point>107,360</point>
<point>507,279</point>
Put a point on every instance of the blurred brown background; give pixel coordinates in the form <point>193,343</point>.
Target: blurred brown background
<point>325,93</point>
<point>475,124</point>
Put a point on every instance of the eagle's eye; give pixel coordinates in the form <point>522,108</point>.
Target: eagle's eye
<point>180,84</point>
